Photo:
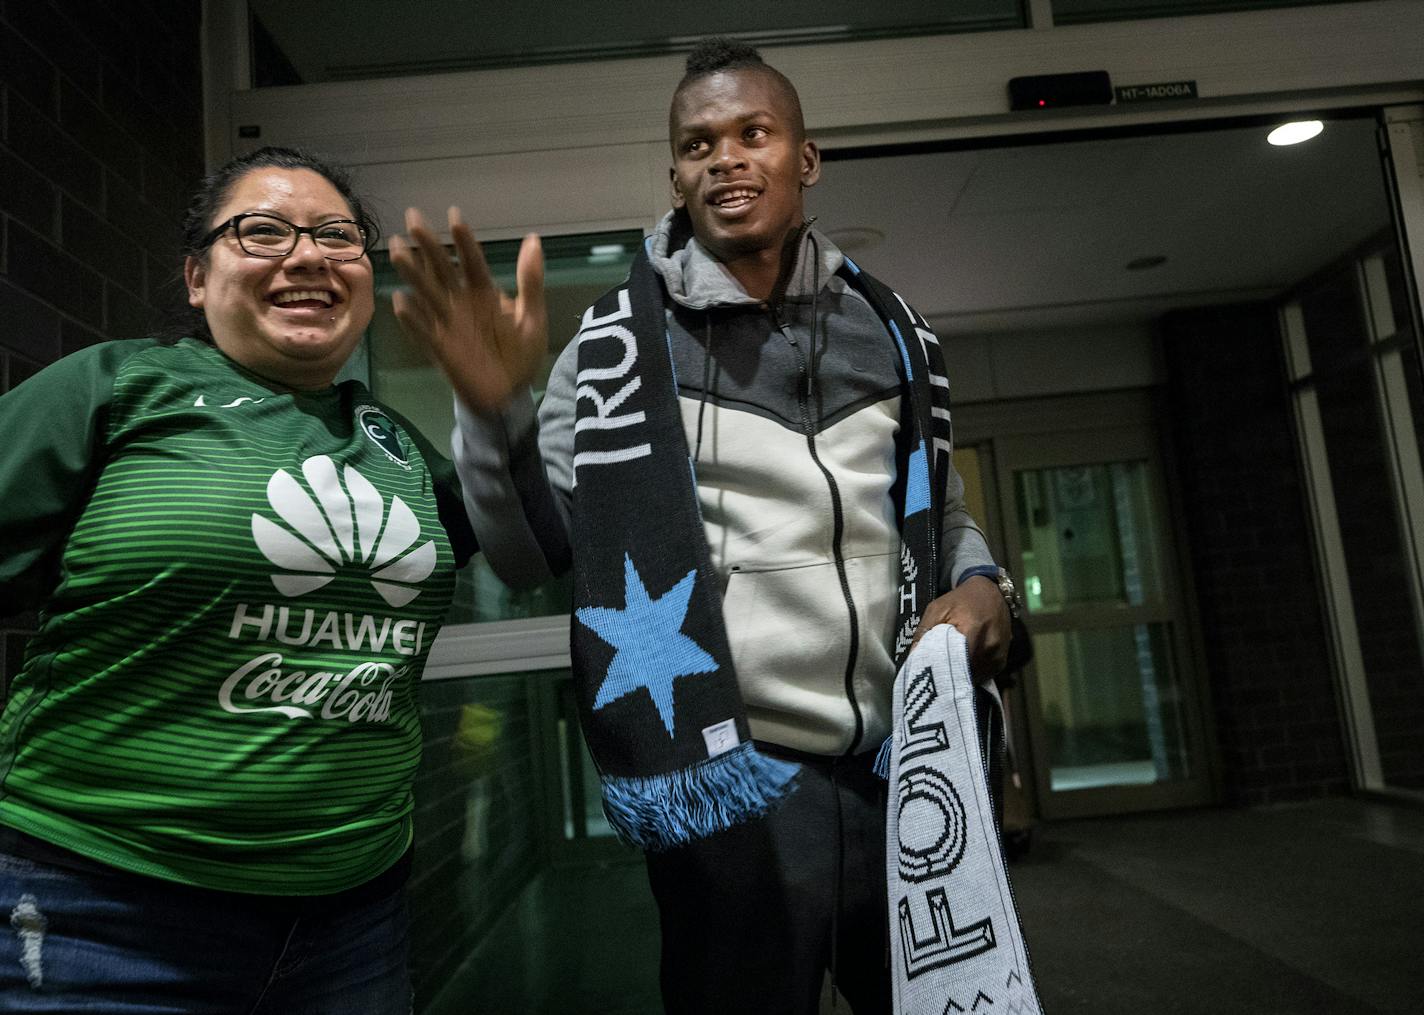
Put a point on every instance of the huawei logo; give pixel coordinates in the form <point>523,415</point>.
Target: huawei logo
<point>341,524</point>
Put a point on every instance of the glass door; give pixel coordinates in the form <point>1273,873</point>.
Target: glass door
<point>1112,699</point>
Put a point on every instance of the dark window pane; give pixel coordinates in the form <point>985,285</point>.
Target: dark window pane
<point>1335,327</point>
<point>1070,11</point>
<point>387,40</point>
<point>1366,503</point>
<point>1112,706</point>
<point>1088,537</point>
<point>507,912</point>
<point>478,838</point>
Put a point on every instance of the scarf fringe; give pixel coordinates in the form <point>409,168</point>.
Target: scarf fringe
<point>659,812</point>
<point>882,758</point>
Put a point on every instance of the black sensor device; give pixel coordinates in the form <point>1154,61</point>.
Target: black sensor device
<point>1049,91</point>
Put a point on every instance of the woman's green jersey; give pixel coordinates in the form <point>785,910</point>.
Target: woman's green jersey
<point>238,588</point>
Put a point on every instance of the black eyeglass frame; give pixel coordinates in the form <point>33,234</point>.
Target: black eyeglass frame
<point>297,231</point>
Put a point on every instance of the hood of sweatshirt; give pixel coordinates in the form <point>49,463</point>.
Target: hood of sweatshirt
<point>697,280</point>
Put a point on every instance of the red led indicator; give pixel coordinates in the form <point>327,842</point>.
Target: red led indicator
<point>1043,102</point>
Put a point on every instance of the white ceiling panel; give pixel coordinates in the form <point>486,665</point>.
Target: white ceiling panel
<point>1000,239</point>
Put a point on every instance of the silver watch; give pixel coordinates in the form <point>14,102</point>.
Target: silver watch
<point>1010,592</point>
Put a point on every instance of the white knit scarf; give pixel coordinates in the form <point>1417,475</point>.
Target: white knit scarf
<point>955,940</point>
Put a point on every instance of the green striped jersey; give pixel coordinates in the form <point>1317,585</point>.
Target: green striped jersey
<point>239,588</point>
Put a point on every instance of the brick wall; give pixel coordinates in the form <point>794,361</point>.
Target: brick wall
<point>1278,724</point>
<point>100,144</point>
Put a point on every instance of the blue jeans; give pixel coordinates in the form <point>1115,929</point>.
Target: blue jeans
<point>81,940</point>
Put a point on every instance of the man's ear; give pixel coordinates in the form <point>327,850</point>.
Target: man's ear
<point>679,200</point>
<point>195,277</point>
<point>810,163</point>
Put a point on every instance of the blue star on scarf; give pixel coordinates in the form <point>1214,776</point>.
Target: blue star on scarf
<point>651,650</point>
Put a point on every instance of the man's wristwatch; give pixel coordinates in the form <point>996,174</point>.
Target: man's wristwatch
<point>1010,592</point>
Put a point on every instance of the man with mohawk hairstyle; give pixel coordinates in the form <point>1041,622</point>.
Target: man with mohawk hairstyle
<point>738,624</point>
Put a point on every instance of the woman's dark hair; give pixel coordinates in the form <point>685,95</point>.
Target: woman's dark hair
<point>213,191</point>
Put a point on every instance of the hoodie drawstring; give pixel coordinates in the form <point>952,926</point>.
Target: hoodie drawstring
<point>706,381</point>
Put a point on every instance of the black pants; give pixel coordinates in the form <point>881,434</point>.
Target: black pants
<point>754,916</point>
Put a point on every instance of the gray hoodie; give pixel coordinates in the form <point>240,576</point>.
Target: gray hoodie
<point>793,437</point>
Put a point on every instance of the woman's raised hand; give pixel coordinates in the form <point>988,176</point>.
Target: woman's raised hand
<point>488,344</point>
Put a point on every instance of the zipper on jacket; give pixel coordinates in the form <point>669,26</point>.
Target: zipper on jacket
<point>803,399</point>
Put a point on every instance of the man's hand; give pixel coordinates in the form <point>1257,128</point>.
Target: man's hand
<point>978,610</point>
<point>488,344</point>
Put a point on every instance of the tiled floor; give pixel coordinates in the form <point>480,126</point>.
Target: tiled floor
<point>1314,908</point>
<point>1317,909</point>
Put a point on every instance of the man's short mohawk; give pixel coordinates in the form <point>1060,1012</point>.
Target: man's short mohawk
<point>720,53</point>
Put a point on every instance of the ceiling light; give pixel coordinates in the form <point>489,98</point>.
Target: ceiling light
<point>1143,263</point>
<point>606,253</point>
<point>1295,132</point>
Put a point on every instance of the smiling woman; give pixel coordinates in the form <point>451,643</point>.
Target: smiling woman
<point>240,567</point>
<point>287,301</point>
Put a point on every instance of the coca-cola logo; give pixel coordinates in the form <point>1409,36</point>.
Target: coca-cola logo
<point>363,694</point>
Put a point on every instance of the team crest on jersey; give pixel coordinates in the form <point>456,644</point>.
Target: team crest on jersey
<point>379,429</point>
<point>342,521</point>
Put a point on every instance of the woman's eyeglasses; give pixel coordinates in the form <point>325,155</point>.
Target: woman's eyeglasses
<point>264,235</point>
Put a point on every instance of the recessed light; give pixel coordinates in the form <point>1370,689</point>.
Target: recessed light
<point>1144,263</point>
<point>1294,132</point>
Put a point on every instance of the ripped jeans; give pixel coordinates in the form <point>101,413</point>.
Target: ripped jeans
<point>75,941</point>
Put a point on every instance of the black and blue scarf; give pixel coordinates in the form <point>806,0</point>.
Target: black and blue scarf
<point>658,697</point>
